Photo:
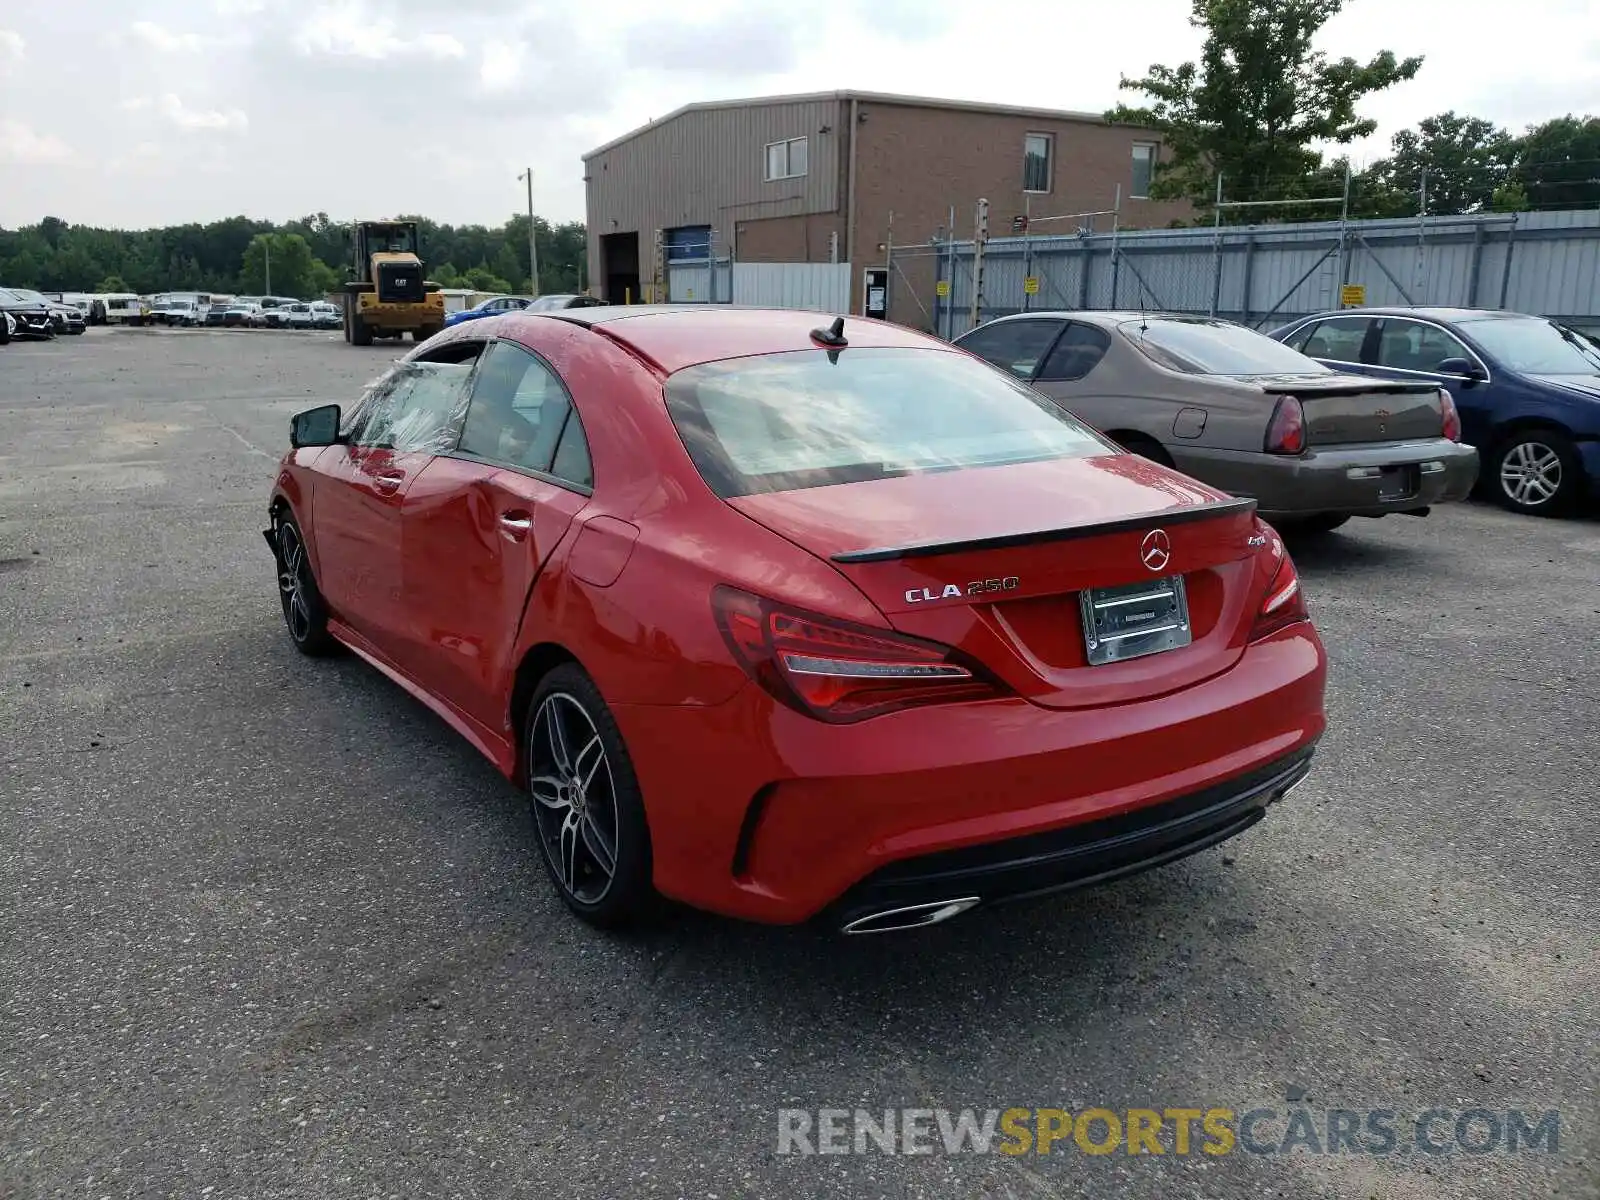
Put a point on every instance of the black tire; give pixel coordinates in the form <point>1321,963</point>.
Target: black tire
<point>588,813</point>
<point>305,613</point>
<point>426,332</point>
<point>1319,524</point>
<point>1144,447</point>
<point>1535,471</point>
<point>5,332</point>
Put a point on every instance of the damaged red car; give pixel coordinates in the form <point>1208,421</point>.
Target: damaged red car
<point>792,618</point>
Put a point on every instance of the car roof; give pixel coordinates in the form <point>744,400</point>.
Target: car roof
<point>674,336</point>
<point>1426,312</point>
<point>1104,316</point>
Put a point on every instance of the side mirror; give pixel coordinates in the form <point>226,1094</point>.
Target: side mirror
<point>315,427</point>
<point>1462,368</point>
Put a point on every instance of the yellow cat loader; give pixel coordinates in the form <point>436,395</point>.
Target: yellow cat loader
<point>386,295</point>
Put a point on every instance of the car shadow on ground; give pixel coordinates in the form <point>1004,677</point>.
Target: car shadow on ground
<point>1346,550</point>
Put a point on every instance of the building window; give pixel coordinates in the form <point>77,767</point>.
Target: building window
<point>1036,162</point>
<point>786,160</point>
<point>1144,169</point>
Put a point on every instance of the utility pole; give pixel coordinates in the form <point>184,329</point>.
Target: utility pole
<point>980,239</point>
<point>533,246</point>
<point>1421,275</point>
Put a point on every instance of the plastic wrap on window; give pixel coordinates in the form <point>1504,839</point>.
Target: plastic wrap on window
<point>428,406</point>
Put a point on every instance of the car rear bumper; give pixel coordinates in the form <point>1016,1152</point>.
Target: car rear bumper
<point>1335,479</point>
<point>919,891</point>
<point>759,812</point>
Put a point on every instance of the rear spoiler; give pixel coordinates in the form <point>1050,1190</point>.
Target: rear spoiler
<point>1003,541</point>
<point>1365,387</point>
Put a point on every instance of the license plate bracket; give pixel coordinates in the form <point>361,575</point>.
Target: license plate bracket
<point>1135,620</point>
<point>1399,483</point>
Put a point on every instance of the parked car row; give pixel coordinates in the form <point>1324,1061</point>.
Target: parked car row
<point>496,305</point>
<point>1359,412</point>
<point>30,314</point>
<point>246,312</point>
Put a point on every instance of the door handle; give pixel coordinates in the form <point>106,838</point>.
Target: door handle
<point>516,524</point>
<point>389,481</point>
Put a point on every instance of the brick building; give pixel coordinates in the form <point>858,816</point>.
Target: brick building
<point>829,178</point>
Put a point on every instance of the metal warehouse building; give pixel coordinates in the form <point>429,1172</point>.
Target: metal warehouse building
<point>797,200</point>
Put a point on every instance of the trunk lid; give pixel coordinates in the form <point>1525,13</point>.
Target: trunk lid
<point>1347,409</point>
<point>996,561</point>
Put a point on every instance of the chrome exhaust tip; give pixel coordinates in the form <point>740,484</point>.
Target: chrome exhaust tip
<point>1283,793</point>
<point>913,916</point>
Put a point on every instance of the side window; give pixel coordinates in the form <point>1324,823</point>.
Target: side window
<point>1337,338</point>
<point>517,411</point>
<point>1412,346</point>
<point>418,406</point>
<point>376,397</point>
<point>572,455</point>
<point>1078,352</point>
<point>1015,346</point>
<point>429,407</point>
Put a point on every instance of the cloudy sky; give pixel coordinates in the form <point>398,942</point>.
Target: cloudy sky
<point>146,112</point>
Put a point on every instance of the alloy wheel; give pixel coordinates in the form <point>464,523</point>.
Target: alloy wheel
<point>1530,474</point>
<point>292,582</point>
<point>575,797</point>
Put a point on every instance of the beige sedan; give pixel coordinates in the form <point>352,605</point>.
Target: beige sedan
<point>1242,412</point>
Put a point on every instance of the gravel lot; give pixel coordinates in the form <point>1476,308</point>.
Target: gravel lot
<point>268,928</point>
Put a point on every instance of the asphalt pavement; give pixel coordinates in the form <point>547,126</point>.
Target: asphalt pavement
<point>269,929</point>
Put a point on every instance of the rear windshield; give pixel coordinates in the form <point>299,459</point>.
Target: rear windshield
<point>803,419</point>
<point>1201,347</point>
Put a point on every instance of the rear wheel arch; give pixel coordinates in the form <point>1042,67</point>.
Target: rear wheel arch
<point>540,659</point>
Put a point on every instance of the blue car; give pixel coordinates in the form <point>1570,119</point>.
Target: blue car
<point>1527,389</point>
<point>489,308</point>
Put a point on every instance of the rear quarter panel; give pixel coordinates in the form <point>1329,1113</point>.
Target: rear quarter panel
<point>648,635</point>
<point>1127,391</point>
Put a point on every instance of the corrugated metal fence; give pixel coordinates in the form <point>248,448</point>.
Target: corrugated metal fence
<point>1265,275</point>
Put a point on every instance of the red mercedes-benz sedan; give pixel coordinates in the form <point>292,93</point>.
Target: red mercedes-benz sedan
<point>788,617</point>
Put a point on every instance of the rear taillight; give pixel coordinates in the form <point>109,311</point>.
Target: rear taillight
<point>1451,425</point>
<point>1284,603</point>
<point>1286,433</point>
<point>837,671</point>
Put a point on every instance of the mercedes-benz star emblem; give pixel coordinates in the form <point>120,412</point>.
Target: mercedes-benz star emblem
<point>1156,549</point>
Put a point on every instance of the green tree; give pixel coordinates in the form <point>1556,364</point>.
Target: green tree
<point>1461,160</point>
<point>291,270</point>
<point>1558,163</point>
<point>1510,197</point>
<point>111,283</point>
<point>211,257</point>
<point>481,279</point>
<point>1258,102</point>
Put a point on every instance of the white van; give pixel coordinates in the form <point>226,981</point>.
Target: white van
<point>124,308</point>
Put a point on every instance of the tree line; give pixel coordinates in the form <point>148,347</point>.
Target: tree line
<point>306,258</point>
<point>1260,104</point>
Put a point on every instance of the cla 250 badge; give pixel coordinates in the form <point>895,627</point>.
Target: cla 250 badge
<point>951,591</point>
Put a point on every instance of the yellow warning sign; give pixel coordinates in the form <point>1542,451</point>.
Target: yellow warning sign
<point>1031,285</point>
<point>942,288</point>
<point>1353,295</point>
